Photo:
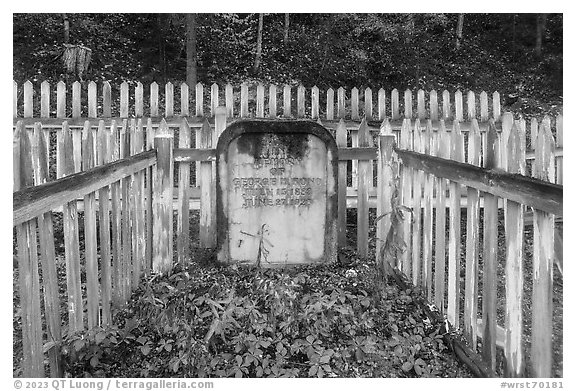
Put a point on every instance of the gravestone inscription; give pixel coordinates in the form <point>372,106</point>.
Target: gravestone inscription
<point>276,193</point>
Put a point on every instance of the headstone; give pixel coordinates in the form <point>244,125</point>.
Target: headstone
<point>277,184</point>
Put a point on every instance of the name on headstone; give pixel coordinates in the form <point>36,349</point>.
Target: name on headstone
<point>276,193</point>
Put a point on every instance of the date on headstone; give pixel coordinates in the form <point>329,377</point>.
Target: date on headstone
<point>277,186</point>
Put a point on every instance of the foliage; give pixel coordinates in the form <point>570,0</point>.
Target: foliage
<point>328,50</point>
<point>212,321</point>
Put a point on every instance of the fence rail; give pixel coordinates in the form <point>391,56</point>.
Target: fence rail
<point>424,261</point>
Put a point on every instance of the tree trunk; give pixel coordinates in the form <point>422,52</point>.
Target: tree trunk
<point>327,45</point>
<point>258,57</point>
<point>66,29</point>
<point>459,29</point>
<point>286,28</point>
<point>540,29</point>
<point>514,22</point>
<point>161,46</point>
<point>409,28</point>
<point>191,55</point>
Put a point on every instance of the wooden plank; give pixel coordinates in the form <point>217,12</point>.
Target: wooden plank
<point>472,242</point>
<point>368,104</point>
<point>446,107</point>
<point>301,101</point>
<point>139,100</point>
<point>125,185</point>
<point>77,148</point>
<point>533,133</point>
<point>341,113</point>
<point>32,364</point>
<point>521,124</point>
<point>90,244</point>
<point>354,173</point>
<point>154,110</point>
<point>16,180</point>
<point>513,350</point>
<point>559,145</point>
<point>32,202</point>
<point>408,104</point>
<point>104,156</point>
<point>341,142</point>
<point>357,153</point>
<point>48,258</point>
<point>427,234</point>
<point>507,121</point>
<point>420,104</point>
<point>433,105</point>
<point>71,240</point>
<point>184,100</point>
<point>483,106</point>
<point>417,182</point>
<point>189,155</point>
<point>199,100</point>
<point>92,100</point>
<point>272,101</point>
<point>183,219</point>
<point>244,100</point>
<point>496,110</point>
<point>219,124</point>
<point>315,112</point>
<point>169,99</point>
<point>207,212</point>
<point>538,194</point>
<point>330,104</point>
<point>395,103</point>
<point>406,194</point>
<point>364,140</point>
<point>162,202</point>
<point>453,310</point>
<point>471,105</point>
<point>354,104</point>
<point>124,100</point>
<point>106,99</point>
<point>287,102</point>
<point>150,174</point>
<point>116,217</point>
<point>260,101</point>
<point>387,193</point>
<point>44,99</point>
<point>489,259</point>
<point>14,99</point>
<point>381,104</point>
<point>443,151</point>
<point>458,106</point>
<point>542,304</point>
<point>483,117</point>
<point>229,94</point>
<point>61,100</point>
<point>28,99</point>
<point>213,98</point>
<point>137,199</point>
<point>76,99</point>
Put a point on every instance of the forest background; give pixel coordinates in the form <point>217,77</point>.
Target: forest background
<point>519,55</point>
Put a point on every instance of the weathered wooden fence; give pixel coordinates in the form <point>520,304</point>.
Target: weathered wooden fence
<point>179,169</point>
<point>457,267</point>
<point>88,99</point>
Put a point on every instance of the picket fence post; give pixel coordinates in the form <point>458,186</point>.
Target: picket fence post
<point>162,201</point>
